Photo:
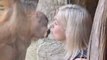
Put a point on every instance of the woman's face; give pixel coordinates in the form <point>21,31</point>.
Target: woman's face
<point>57,28</point>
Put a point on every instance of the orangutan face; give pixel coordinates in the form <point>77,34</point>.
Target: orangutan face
<point>39,25</point>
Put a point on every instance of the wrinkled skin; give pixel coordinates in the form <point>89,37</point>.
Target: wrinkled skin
<point>17,29</point>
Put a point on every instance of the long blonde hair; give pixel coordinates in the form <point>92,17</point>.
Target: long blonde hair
<point>77,23</point>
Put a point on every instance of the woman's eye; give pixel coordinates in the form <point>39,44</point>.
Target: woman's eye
<point>53,24</point>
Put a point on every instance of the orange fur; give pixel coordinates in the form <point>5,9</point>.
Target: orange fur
<point>16,32</point>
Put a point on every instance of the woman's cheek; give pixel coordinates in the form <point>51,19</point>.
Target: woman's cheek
<point>57,34</point>
<point>54,31</point>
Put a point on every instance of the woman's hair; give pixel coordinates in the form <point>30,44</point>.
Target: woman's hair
<point>77,23</point>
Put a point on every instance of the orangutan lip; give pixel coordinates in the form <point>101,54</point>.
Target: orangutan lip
<point>48,32</point>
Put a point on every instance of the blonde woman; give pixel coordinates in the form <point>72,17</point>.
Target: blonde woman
<point>72,26</point>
